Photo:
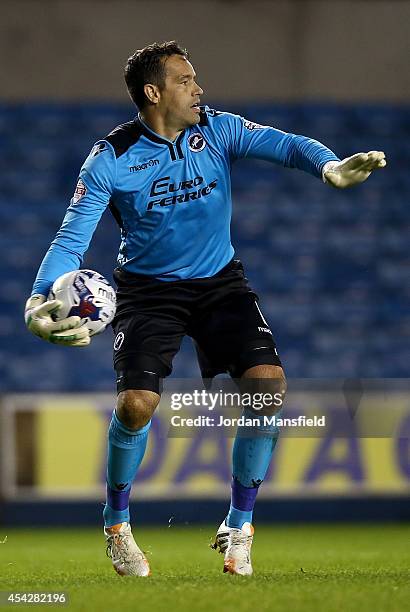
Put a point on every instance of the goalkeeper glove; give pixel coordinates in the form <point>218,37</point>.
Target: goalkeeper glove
<point>352,170</point>
<point>38,316</point>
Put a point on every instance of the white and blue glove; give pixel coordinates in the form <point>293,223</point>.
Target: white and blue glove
<point>68,332</point>
<point>352,170</point>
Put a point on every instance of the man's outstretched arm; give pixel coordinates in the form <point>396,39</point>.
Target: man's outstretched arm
<point>247,139</point>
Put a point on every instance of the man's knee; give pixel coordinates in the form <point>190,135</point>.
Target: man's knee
<point>267,383</point>
<point>135,408</point>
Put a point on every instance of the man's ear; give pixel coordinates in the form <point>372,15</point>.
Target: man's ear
<point>152,93</point>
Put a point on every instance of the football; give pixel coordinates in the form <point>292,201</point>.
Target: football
<point>86,294</point>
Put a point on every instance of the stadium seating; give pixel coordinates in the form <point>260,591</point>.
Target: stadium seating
<point>331,268</point>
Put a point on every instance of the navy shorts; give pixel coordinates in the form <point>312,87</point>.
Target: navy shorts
<point>220,313</point>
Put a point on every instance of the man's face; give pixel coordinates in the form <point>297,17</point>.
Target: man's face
<point>180,97</point>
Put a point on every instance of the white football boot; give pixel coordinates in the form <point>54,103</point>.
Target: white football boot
<point>127,558</point>
<point>236,544</point>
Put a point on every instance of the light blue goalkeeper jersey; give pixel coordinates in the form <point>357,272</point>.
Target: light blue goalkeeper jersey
<point>172,200</point>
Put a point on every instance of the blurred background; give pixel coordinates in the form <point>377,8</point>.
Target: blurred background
<point>331,268</point>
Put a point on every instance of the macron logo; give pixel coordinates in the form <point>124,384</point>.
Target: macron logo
<point>148,164</point>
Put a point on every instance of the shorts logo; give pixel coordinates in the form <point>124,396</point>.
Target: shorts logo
<point>196,142</point>
<point>266,330</point>
<point>79,191</point>
<point>119,339</point>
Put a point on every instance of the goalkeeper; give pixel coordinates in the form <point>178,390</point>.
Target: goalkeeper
<point>166,177</point>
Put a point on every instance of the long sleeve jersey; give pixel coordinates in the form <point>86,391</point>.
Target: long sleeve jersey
<point>171,199</point>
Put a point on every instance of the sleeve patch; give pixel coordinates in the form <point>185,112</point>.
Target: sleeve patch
<point>79,191</point>
<point>250,125</point>
<point>97,149</point>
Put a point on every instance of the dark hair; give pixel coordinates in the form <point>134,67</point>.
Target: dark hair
<point>148,66</point>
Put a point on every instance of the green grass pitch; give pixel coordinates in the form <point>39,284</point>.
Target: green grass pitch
<point>321,568</point>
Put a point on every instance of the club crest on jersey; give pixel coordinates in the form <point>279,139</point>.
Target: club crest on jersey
<point>196,142</point>
<point>79,192</point>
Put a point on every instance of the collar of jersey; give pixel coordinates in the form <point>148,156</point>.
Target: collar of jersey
<point>174,146</point>
<point>158,136</point>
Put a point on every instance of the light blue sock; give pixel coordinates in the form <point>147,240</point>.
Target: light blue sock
<point>126,448</point>
<point>251,456</point>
